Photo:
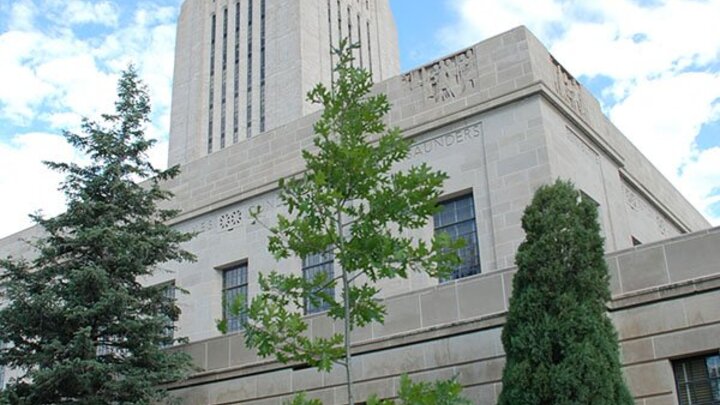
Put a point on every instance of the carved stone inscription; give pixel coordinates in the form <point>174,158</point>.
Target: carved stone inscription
<point>446,79</point>
<point>460,136</point>
<point>569,89</point>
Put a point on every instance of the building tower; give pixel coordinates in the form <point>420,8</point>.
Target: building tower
<point>243,67</point>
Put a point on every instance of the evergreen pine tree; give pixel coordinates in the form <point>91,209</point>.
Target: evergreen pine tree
<point>80,327</point>
<point>561,346</point>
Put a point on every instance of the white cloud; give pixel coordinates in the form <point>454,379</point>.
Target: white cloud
<point>22,15</point>
<point>52,75</point>
<point>658,58</point>
<point>30,183</point>
<point>701,180</point>
<point>93,12</point>
<point>663,116</point>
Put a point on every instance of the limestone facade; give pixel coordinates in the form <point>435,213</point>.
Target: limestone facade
<point>501,118</point>
<point>243,67</point>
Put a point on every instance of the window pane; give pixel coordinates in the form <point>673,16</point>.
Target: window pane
<point>457,219</point>
<point>316,265</point>
<point>698,380</point>
<point>234,286</point>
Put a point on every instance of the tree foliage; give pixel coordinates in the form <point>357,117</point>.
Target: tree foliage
<point>561,346</point>
<point>352,203</point>
<point>443,392</point>
<point>80,326</point>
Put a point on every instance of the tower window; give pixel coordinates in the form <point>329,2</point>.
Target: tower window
<point>369,47</point>
<point>359,38</point>
<point>211,89</point>
<point>262,65</point>
<point>236,84</point>
<point>249,70</point>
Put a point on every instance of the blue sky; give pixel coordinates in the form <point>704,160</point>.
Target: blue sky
<point>653,64</point>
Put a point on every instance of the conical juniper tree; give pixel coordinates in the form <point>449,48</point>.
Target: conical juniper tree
<point>561,346</point>
<point>352,206</point>
<point>80,327</point>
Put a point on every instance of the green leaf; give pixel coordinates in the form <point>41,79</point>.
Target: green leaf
<point>351,198</point>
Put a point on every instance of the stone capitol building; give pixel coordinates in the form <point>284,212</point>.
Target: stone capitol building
<point>500,118</point>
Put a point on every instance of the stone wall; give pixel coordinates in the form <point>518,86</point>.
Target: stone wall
<point>665,300</point>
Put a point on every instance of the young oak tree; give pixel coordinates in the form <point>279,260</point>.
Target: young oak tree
<point>561,347</point>
<point>349,204</point>
<point>80,326</point>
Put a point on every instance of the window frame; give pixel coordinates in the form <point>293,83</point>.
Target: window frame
<point>326,264</point>
<point>234,323</point>
<point>473,242</point>
<point>170,324</point>
<point>687,386</point>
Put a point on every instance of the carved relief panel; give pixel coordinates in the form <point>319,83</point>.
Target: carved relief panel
<point>445,79</point>
<point>637,203</point>
<point>569,89</point>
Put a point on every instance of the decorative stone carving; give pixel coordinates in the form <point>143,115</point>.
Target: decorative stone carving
<point>230,220</point>
<point>569,89</point>
<point>446,79</point>
<point>639,204</point>
<point>582,146</point>
<point>198,227</point>
<point>205,225</point>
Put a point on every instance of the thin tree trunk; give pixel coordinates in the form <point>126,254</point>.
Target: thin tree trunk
<point>346,300</point>
<point>348,357</point>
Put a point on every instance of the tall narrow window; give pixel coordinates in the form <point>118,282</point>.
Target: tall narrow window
<point>332,45</point>
<point>369,47</point>
<point>339,22</point>
<point>360,41</point>
<point>248,107</point>
<point>457,218</point>
<point>234,288</point>
<point>211,91</point>
<point>262,65</point>
<point>223,92</point>
<point>236,84</point>
<point>169,295</point>
<point>698,380</point>
<point>350,32</point>
<point>313,266</point>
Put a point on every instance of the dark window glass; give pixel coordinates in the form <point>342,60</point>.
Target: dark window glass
<point>698,380</point>
<point>359,40</point>
<point>330,37</point>
<point>248,99</point>
<point>313,266</point>
<point>369,46</point>
<point>457,218</point>
<point>262,65</point>
<point>169,294</point>
<point>234,285</point>
<point>211,92</point>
